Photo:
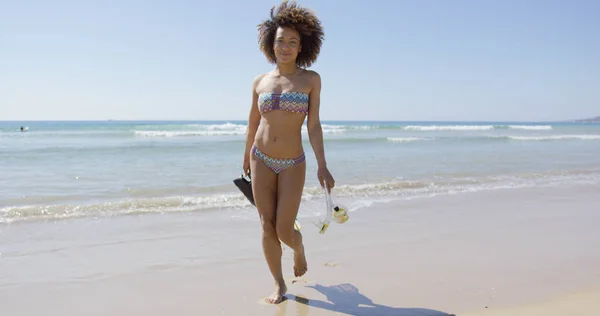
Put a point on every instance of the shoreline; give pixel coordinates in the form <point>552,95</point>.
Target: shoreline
<point>227,198</point>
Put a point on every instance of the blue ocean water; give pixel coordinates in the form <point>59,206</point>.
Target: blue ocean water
<point>71,169</point>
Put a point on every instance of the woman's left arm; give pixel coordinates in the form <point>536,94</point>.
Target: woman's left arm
<point>315,131</point>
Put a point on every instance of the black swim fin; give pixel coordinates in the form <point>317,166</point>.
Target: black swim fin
<point>245,186</point>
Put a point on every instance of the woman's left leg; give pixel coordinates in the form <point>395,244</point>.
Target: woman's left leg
<point>289,193</point>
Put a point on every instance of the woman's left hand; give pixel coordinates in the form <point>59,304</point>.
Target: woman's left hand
<point>325,177</point>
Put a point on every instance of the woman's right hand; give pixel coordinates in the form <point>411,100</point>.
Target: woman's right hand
<point>246,166</point>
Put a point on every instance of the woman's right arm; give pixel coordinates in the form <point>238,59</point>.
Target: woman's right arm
<point>253,122</point>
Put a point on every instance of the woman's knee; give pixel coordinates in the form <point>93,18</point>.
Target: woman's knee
<point>269,230</point>
<point>285,232</point>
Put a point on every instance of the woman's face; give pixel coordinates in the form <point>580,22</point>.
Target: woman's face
<point>287,45</point>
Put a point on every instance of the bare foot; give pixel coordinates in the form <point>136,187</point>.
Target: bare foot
<point>300,265</point>
<point>277,296</point>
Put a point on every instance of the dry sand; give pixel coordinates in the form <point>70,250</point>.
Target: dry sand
<point>577,304</point>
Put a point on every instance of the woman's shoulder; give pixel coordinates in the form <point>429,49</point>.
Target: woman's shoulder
<point>257,79</point>
<point>313,78</point>
<point>311,74</point>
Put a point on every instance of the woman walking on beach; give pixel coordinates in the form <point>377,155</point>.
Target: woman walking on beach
<point>281,100</point>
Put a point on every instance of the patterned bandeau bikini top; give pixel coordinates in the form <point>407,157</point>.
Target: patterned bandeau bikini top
<point>295,102</point>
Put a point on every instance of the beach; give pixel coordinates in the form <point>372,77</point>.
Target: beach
<point>476,253</point>
<point>446,218</point>
<point>462,139</point>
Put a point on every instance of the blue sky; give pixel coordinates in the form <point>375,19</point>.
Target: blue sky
<point>518,60</point>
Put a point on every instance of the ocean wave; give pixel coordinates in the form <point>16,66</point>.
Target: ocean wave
<point>334,136</point>
<point>235,200</point>
<point>224,126</point>
<point>474,138</point>
<point>187,133</point>
<point>227,129</point>
<point>122,207</point>
<point>427,128</point>
<point>484,138</point>
<point>407,139</point>
<point>555,137</point>
<point>191,129</point>
<point>101,133</point>
<point>532,127</point>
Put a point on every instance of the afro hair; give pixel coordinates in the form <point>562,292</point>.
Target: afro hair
<point>302,20</point>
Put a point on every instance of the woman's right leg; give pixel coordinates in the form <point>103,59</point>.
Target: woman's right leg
<point>264,188</point>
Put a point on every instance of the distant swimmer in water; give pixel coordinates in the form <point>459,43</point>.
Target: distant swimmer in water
<point>24,129</point>
<point>281,100</point>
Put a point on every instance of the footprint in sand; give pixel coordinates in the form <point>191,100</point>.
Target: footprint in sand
<point>299,281</point>
<point>263,301</point>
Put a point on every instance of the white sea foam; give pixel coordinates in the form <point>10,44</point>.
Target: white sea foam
<point>532,127</point>
<point>225,126</point>
<point>233,200</point>
<point>187,133</point>
<point>327,129</point>
<point>448,127</point>
<point>195,130</point>
<point>221,130</point>
<point>556,137</point>
<point>362,127</point>
<point>407,139</point>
